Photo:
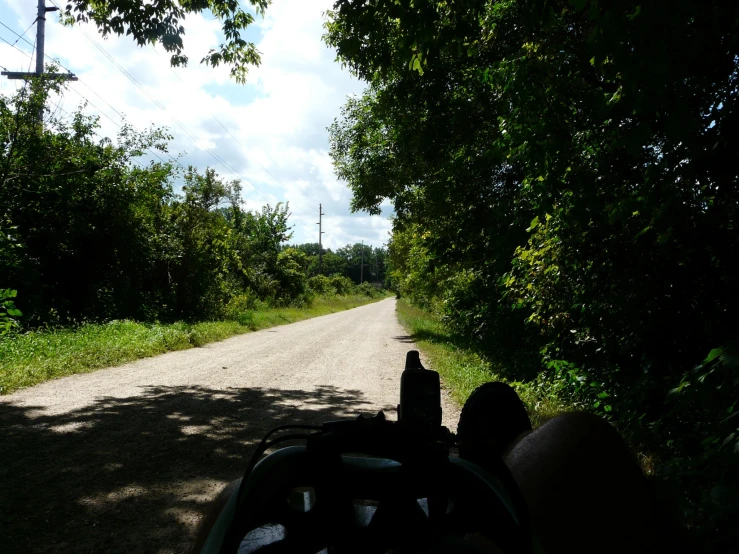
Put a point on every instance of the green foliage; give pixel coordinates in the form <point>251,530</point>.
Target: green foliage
<point>566,197</point>
<point>162,23</point>
<point>87,233</point>
<point>342,284</point>
<point>241,309</point>
<point>368,290</point>
<point>291,277</point>
<point>348,261</point>
<point>320,284</point>
<point>8,311</point>
<point>464,370</point>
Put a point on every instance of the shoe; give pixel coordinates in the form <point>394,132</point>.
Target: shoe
<point>492,418</point>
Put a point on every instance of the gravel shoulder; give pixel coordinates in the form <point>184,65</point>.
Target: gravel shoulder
<point>126,459</point>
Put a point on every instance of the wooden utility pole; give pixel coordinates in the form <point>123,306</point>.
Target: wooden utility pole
<point>361,267</point>
<point>377,273</point>
<point>40,37</point>
<point>320,243</point>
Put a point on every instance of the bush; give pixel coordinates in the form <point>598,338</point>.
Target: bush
<point>241,309</point>
<point>320,284</point>
<point>369,290</point>
<point>343,285</point>
<point>290,274</point>
<point>8,311</point>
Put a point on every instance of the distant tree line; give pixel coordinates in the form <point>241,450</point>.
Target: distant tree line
<point>358,262</point>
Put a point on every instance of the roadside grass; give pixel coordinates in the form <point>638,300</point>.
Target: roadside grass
<point>462,371</point>
<point>31,358</point>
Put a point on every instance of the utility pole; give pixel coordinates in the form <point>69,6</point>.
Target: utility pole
<point>361,267</point>
<point>377,273</point>
<point>40,36</point>
<point>320,232</point>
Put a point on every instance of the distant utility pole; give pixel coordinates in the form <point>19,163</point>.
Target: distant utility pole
<point>40,35</point>
<point>377,273</point>
<point>320,232</point>
<point>361,267</point>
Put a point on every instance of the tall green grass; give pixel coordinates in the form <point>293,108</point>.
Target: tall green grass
<point>463,371</point>
<point>31,358</point>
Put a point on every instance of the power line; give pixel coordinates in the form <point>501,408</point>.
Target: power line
<point>16,34</point>
<point>182,126</point>
<point>237,141</point>
<point>24,32</point>
<point>158,104</point>
<point>305,223</point>
<point>101,112</point>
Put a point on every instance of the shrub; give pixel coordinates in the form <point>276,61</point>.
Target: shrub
<point>320,284</point>
<point>369,290</point>
<point>241,308</point>
<point>290,274</point>
<point>8,311</point>
<point>343,285</point>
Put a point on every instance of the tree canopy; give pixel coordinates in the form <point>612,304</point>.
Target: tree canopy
<point>161,22</point>
<point>564,177</point>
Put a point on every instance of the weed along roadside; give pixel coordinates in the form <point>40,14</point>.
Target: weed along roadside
<point>34,357</point>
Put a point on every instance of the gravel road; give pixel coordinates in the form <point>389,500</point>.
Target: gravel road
<point>126,459</point>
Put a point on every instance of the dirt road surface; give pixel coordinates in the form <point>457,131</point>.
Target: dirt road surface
<point>126,459</point>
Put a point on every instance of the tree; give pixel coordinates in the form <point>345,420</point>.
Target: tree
<point>161,22</point>
<point>353,256</point>
<point>291,275</point>
<point>207,268</point>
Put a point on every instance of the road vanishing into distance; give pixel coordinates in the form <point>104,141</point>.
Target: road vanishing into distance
<point>127,459</point>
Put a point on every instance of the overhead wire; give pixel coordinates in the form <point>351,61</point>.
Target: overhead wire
<point>297,217</point>
<point>101,112</point>
<point>24,32</point>
<point>182,126</point>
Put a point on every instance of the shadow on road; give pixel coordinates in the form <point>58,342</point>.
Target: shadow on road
<point>135,474</point>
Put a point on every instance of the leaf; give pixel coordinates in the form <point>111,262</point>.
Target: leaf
<point>15,312</point>
<point>643,231</point>
<point>616,96</point>
<point>534,223</point>
<point>415,64</point>
<point>712,355</point>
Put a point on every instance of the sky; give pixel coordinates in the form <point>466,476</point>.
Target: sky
<point>271,133</point>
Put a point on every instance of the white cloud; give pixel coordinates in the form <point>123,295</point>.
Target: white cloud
<point>276,136</point>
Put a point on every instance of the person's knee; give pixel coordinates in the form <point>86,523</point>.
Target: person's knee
<point>577,468</point>
<point>575,439</point>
